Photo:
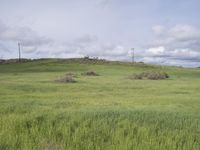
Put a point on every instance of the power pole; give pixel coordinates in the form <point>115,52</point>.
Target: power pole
<point>133,59</point>
<point>19,51</point>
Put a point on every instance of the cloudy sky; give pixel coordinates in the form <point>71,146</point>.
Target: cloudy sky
<point>161,31</point>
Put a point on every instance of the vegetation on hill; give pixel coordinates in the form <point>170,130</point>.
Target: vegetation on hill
<point>151,75</point>
<point>108,112</point>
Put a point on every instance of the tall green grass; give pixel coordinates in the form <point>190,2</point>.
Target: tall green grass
<point>106,112</point>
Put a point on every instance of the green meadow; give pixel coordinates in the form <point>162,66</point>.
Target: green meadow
<point>105,112</point>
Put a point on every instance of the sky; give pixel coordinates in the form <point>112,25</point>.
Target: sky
<point>165,32</point>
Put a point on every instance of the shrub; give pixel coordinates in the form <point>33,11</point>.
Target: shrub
<point>71,74</point>
<point>90,73</point>
<point>86,57</point>
<point>67,79</point>
<point>151,75</point>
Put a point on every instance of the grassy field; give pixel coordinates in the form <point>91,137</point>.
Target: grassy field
<point>106,112</point>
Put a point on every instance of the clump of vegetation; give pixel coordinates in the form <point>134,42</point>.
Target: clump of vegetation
<point>71,74</point>
<point>67,79</point>
<point>90,73</point>
<point>151,75</point>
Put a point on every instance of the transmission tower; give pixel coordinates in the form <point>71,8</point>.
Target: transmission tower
<point>132,55</point>
<point>19,48</point>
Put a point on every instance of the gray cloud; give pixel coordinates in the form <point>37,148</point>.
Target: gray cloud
<point>32,42</point>
<point>91,45</point>
<point>87,45</point>
<point>28,38</point>
<point>180,36</point>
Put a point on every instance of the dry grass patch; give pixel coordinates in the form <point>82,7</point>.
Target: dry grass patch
<point>71,74</point>
<point>66,79</point>
<point>150,75</point>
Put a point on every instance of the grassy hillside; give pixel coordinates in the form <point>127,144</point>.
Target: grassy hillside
<point>106,112</point>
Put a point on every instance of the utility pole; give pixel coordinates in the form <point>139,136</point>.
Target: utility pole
<point>19,51</point>
<point>133,59</point>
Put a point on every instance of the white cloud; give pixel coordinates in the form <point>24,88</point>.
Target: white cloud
<point>180,43</point>
<point>184,33</point>
<point>156,50</point>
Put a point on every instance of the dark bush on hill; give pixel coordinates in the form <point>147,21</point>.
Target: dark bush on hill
<point>151,75</point>
<point>90,73</point>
